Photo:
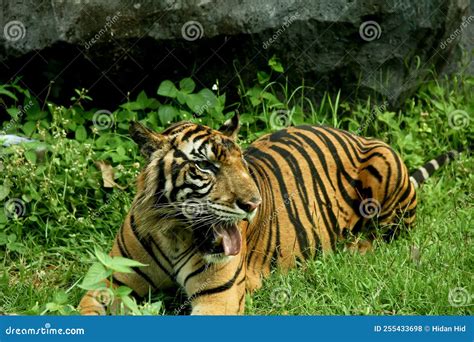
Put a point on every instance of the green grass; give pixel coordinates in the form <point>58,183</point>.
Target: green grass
<point>45,253</point>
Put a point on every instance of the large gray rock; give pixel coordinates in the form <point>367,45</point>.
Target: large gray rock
<point>115,47</point>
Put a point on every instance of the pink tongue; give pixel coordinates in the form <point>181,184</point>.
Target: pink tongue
<point>231,239</point>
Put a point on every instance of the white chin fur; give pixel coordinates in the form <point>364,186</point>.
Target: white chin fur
<point>216,258</point>
<point>251,216</point>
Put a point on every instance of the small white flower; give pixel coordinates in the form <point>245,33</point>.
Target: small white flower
<point>214,87</point>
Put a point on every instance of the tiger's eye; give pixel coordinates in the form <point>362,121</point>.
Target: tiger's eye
<point>206,165</point>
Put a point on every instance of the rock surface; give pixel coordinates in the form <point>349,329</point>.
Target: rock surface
<point>116,47</point>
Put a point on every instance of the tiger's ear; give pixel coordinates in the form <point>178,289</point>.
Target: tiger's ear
<point>231,127</point>
<point>148,140</point>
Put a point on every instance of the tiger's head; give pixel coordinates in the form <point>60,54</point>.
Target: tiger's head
<point>197,177</point>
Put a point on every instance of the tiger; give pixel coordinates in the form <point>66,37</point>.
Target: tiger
<point>214,220</point>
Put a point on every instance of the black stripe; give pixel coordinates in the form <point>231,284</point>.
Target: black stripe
<point>195,273</point>
<point>190,132</point>
<point>147,247</point>
<point>303,194</point>
<point>176,272</point>
<point>268,200</point>
<point>220,288</point>
<point>180,256</point>
<point>293,217</point>
<point>241,300</point>
<point>374,172</point>
<point>429,168</point>
<point>124,251</point>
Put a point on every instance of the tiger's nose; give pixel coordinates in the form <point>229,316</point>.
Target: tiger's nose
<point>249,206</point>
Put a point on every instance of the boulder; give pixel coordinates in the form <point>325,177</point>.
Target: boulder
<point>117,48</point>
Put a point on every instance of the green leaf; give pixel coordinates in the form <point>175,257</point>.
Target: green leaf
<point>4,191</point>
<point>131,304</point>
<point>182,97</point>
<point>166,114</point>
<point>142,99</point>
<point>60,297</point>
<point>8,93</point>
<point>187,85</point>
<point>121,151</point>
<point>168,89</point>
<point>96,274</point>
<point>132,106</point>
<point>81,133</point>
<point>118,260</point>
<point>104,258</point>
<point>3,238</point>
<point>30,155</point>
<point>209,97</point>
<point>275,64</point>
<point>122,291</point>
<point>13,111</point>
<point>247,118</point>
<point>197,103</point>
<point>263,77</point>
<point>28,128</point>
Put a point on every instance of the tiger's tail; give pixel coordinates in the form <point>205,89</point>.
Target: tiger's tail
<point>421,174</point>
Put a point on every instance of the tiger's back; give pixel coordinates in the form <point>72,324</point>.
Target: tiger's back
<point>318,185</point>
